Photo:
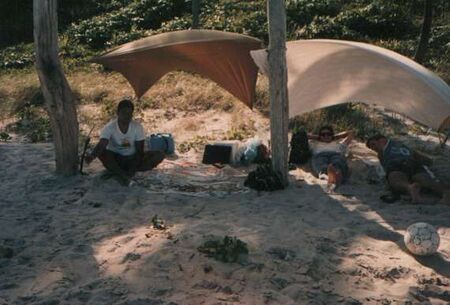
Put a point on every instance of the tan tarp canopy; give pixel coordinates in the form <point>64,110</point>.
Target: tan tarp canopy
<point>322,73</point>
<point>222,57</point>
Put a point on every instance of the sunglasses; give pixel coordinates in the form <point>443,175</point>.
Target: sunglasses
<point>326,134</point>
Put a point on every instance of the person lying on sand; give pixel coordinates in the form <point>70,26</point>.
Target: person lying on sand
<point>328,155</point>
<point>121,146</point>
<point>405,171</point>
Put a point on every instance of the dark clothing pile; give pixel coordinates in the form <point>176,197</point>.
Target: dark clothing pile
<point>300,152</point>
<point>264,178</point>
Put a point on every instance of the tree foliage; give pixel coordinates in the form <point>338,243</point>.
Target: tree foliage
<point>88,27</point>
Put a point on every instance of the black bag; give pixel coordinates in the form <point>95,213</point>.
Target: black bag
<point>217,154</point>
<point>300,152</point>
<point>264,178</point>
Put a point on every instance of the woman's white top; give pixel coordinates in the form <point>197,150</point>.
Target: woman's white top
<point>318,147</point>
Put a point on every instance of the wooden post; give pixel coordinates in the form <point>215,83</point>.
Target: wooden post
<point>59,100</point>
<point>278,94</point>
<point>195,14</point>
<point>425,32</point>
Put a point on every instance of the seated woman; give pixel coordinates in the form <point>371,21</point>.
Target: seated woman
<point>328,155</point>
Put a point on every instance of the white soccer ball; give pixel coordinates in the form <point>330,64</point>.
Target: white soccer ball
<point>422,239</point>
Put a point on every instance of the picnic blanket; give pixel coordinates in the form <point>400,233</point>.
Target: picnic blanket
<point>193,179</point>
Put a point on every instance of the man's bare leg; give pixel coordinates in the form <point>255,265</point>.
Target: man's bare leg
<point>110,163</point>
<point>399,182</point>
<point>334,175</point>
<point>425,181</point>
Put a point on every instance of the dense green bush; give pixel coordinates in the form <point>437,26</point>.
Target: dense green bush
<point>377,20</point>
<point>302,12</point>
<point>248,18</point>
<point>373,21</point>
<point>440,37</point>
<point>112,28</point>
<point>320,27</point>
<point>17,57</point>
<point>176,24</point>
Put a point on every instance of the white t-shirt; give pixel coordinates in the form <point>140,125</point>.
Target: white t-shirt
<point>122,143</point>
<point>318,147</point>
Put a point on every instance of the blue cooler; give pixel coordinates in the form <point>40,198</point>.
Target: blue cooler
<point>163,142</point>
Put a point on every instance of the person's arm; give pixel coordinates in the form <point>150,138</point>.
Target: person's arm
<point>313,136</point>
<point>348,137</point>
<point>97,151</point>
<point>344,134</point>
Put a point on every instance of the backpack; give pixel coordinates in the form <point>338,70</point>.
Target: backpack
<point>264,178</point>
<point>163,142</point>
<point>300,152</point>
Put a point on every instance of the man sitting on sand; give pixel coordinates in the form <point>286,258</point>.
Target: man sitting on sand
<point>121,146</point>
<point>328,155</point>
<point>405,170</point>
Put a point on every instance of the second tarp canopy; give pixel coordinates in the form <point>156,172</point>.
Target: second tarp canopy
<point>323,73</point>
<point>223,57</point>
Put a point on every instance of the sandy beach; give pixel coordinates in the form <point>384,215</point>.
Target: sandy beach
<point>89,240</point>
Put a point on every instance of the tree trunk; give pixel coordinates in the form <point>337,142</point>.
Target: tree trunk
<point>278,94</point>
<point>195,14</point>
<point>425,32</point>
<point>59,100</point>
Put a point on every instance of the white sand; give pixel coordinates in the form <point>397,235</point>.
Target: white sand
<point>85,240</point>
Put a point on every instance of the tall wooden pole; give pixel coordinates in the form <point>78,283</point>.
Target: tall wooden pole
<point>278,94</point>
<point>425,32</point>
<point>59,100</point>
<point>195,13</point>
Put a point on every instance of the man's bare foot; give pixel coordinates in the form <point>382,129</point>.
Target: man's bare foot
<point>414,192</point>
<point>334,176</point>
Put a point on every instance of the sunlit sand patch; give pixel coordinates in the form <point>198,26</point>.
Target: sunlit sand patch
<point>47,281</point>
<point>114,255</point>
<point>371,258</point>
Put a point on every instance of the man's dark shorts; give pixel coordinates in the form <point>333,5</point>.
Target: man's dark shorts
<point>321,161</point>
<point>150,160</point>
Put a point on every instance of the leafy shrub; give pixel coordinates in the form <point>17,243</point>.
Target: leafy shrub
<point>320,27</point>
<point>439,52</point>
<point>404,47</point>
<point>302,12</point>
<point>17,57</point>
<point>349,116</point>
<point>124,37</point>
<point>373,21</point>
<point>377,20</point>
<point>240,17</point>
<point>440,37</point>
<point>176,24</point>
<point>112,28</point>
<point>196,143</point>
<point>4,136</point>
<point>108,110</point>
<point>34,123</point>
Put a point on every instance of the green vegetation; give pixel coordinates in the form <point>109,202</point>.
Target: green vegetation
<point>88,28</point>
<point>227,250</point>
<point>356,117</point>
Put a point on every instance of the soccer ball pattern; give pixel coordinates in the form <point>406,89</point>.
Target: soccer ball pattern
<point>422,239</point>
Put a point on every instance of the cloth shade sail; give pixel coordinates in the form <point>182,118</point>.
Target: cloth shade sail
<point>323,73</point>
<point>221,56</point>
